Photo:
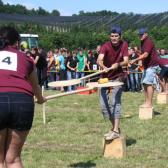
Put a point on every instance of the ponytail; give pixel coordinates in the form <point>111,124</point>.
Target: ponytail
<point>8,36</point>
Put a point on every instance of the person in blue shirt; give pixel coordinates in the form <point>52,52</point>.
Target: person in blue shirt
<point>62,70</point>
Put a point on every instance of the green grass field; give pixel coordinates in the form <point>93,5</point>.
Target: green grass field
<point>73,135</point>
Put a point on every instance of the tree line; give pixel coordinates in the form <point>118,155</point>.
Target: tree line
<point>20,9</point>
<point>88,36</point>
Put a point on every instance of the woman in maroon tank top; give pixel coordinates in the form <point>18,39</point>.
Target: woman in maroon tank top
<point>18,85</point>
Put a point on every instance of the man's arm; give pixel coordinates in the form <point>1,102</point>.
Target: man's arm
<point>68,66</point>
<point>121,64</point>
<point>100,61</point>
<point>124,62</point>
<point>141,57</point>
<point>115,65</point>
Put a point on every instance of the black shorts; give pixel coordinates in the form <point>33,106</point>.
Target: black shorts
<point>16,111</point>
<point>164,72</point>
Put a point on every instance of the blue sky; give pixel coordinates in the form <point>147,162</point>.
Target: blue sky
<point>67,8</point>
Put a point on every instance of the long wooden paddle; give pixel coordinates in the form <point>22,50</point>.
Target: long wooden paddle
<point>68,93</point>
<point>90,86</point>
<point>75,81</point>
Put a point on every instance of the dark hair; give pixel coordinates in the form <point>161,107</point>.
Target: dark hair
<point>115,29</point>
<point>8,36</point>
<point>36,51</point>
<point>142,30</point>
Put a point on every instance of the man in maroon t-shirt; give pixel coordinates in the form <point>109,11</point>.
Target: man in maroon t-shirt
<point>113,53</point>
<point>150,62</point>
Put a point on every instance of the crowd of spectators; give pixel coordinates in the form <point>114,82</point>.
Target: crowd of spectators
<point>62,64</point>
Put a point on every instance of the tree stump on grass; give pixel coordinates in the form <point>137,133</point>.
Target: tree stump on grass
<point>115,148</point>
<point>145,113</point>
<point>162,98</point>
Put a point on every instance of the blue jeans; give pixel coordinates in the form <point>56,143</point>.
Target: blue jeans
<point>71,75</point>
<point>134,81</point>
<point>80,75</point>
<point>50,78</point>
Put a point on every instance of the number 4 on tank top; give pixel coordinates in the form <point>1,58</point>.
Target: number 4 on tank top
<point>8,60</point>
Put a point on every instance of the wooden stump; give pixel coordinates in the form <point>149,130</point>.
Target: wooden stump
<point>145,113</point>
<point>162,98</point>
<point>115,148</point>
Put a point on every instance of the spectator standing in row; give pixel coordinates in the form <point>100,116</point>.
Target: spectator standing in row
<point>71,64</point>
<point>40,60</point>
<point>81,65</point>
<point>57,63</point>
<point>42,66</point>
<point>62,71</point>
<point>133,80</point>
<point>96,54</point>
<point>91,62</point>
<point>51,73</point>
<point>91,66</point>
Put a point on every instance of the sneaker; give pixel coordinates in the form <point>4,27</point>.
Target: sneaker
<point>112,136</point>
<point>110,132</point>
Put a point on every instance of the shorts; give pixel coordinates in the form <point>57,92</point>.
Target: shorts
<point>16,111</point>
<point>149,76</point>
<point>111,102</point>
<point>164,71</point>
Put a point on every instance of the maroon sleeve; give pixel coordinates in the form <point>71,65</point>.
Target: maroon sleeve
<point>125,49</point>
<point>148,46</point>
<point>123,53</point>
<point>103,49</point>
<point>163,61</point>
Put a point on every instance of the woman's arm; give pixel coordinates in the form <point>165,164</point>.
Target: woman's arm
<point>36,87</point>
<point>36,59</point>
